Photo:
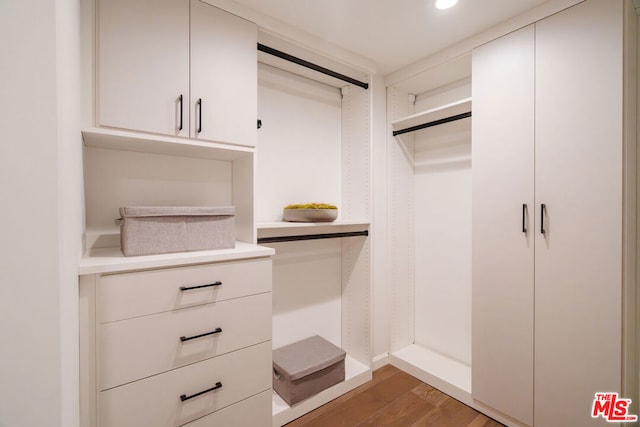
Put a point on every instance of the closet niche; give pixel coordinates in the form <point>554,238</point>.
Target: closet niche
<point>313,146</point>
<point>429,155</point>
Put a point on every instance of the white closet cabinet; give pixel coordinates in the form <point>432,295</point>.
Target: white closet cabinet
<point>177,68</point>
<point>579,177</point>
<point>502,249</point>
<point>548,212</point>
<point>168,346</point>
<point>224,76</point>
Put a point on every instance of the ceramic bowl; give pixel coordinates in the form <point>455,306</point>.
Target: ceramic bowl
<point>310,215</point>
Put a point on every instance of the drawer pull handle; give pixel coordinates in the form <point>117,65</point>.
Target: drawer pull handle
<point>215,331</point>
<point>188,288</point>
<point>215,387</point>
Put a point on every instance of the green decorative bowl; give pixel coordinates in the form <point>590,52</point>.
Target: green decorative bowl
<point>312,212</point>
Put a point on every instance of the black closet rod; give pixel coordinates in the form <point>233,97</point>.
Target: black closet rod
<point>312,237</point>
<point>433,123</point>
<point>311,65</point>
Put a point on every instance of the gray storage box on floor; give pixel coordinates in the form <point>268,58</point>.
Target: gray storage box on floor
<point>306,367</point>
<point>146,230</point>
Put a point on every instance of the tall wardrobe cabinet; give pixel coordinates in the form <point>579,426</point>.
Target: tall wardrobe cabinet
<point>552,228</point>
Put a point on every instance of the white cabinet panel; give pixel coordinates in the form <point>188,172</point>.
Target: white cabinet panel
<point>121,296</point>
<point>503,182</point>
<point>143,65</point>
<point>242,414</point>
<point>177,68</point>
<point>156,401</point>
<point>579,59</point>
<point>224,81</point>
<point>143,346</point>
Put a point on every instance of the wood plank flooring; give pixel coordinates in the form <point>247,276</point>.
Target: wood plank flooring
<point>394,398</point>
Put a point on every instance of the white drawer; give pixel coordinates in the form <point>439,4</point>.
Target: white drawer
<point>253,412</point>
<point>126,295</point>
<point>156,401</point>
<point>143,346</point>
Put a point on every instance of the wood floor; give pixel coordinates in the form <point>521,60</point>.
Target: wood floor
<point>394,398</point>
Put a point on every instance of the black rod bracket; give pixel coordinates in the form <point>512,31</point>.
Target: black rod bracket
<point>433,123</point>
<point>278,239</point>
<point>311,65</point>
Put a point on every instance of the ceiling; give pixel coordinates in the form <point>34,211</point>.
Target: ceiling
<point>392,33</point>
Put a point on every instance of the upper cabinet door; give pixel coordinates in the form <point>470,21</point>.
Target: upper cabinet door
<point>223,76</point>
<point>143,65</point>
<point>503,211</point>
<point>579,176</point>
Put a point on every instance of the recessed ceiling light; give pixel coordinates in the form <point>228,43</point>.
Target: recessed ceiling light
<point>445,4</point>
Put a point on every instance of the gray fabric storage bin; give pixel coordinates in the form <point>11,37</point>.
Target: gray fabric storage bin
<point>146,230</point>
<point>306,367</point>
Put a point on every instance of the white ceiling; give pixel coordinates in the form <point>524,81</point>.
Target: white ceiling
<point>392,33</point>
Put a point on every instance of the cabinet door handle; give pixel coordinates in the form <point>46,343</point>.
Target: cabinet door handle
<point>199,103</point>
<point>215,387</point>
<point>206,334</point>
<point>524,218</point>
<point>180,101</point>
<point>543,208</point>
<point>188,288</point>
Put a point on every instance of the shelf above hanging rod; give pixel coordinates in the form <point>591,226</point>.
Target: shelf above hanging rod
<point>311,65</point>
<point>278,239</point>
<point>447,113</point>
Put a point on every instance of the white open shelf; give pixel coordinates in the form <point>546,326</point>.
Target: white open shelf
<point>448,110</point>
<point>334,224</point>
<point>268,229</point>
<point>159,144</point>
<point>356,374</point>
<point>447,375</point>
<point>112,260</point>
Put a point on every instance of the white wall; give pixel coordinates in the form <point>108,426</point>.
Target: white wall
<point>307,291</point>
<point>299,144</point>
<point>40,213</point>
<point>443,240</point>
<point>70,207</point>
<point>116,178</point>
<point>442,186</point>
<point>300,161</point>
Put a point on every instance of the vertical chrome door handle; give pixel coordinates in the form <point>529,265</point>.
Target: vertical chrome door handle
<point>524,218</point>
<point>543,208</point>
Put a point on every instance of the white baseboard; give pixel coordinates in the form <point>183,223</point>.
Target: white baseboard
<point>379,361</point>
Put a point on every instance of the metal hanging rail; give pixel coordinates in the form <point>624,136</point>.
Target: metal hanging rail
<point>433,123</point>
<point>311,65</point>
<point>279,239</point>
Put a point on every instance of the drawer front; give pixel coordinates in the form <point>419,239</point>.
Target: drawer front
<point>156,401</point>
<point>143,346</point>
<point>253,412</point>
<point>126,295</point>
